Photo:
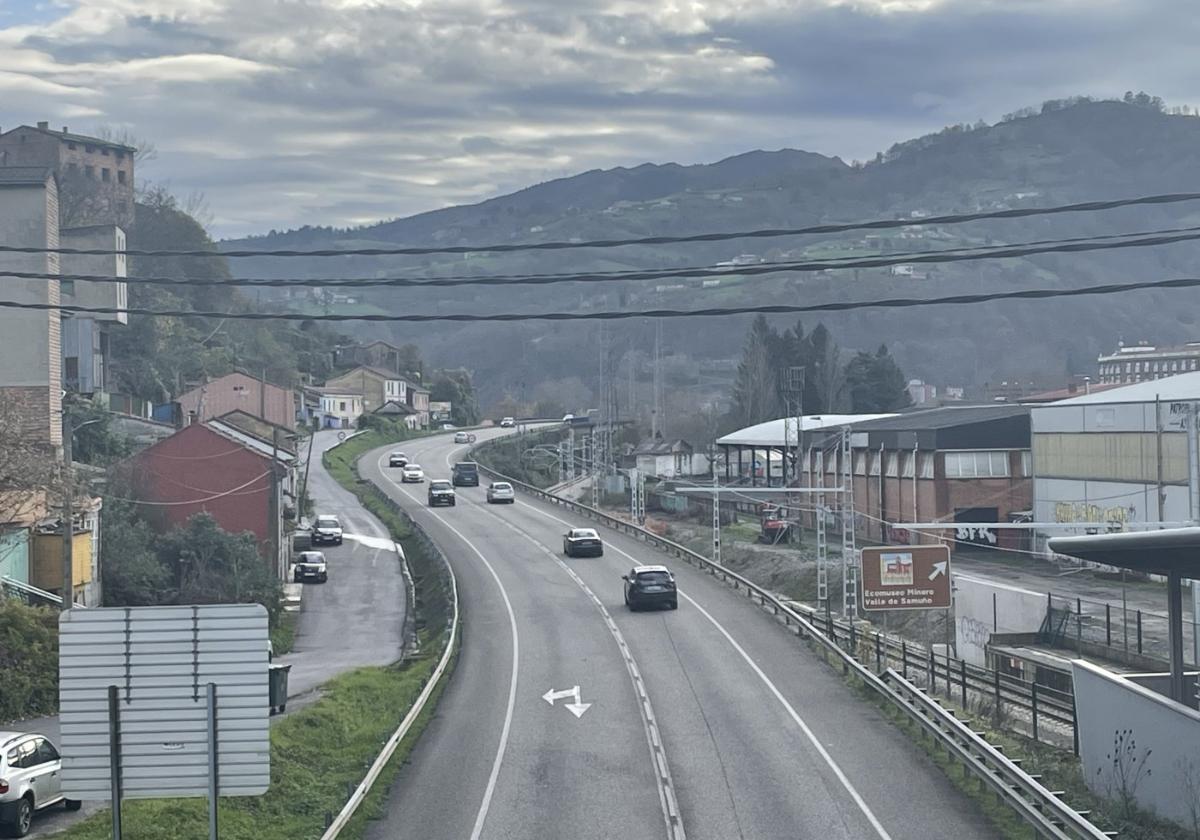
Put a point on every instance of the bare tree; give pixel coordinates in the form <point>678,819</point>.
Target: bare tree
<point>29,472</point>
<point>144,150</point>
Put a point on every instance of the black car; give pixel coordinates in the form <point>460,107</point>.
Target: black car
<point>441,492</point>
<point>650,586</point>
<point>582,542</point>
<point>310,565</point>
<point>465,474</point>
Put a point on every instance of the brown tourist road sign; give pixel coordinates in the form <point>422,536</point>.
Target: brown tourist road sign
<point>906,577</point>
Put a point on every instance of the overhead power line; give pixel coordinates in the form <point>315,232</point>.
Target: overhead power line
<point>949,255</point>
<point>619,315</point>
<point>721,236</point>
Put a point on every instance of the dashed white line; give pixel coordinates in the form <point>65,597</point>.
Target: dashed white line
<point>799,721</point>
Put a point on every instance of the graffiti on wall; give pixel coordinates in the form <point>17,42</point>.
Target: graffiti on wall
<point>1086,512</point>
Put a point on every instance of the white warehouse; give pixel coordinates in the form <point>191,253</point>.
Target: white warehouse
<point>1115,457</point>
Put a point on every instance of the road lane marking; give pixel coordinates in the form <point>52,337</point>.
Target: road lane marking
<point>490,790</point>
<point>658,755</point>
<point>799,721</point>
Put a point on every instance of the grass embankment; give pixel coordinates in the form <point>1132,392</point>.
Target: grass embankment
<point>320,753</point>
<point>507,456</point>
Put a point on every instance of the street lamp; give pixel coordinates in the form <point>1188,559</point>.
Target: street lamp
<point>68,525</point>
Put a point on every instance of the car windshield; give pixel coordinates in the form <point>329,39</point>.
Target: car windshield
<point>329,521</point>
<point>465,466</point>
<point>583,532</point>
<point>440,485</point>
<point>311,557</point>
<point>654,577</point>
<point>501,485</point>
<point>413,467</point>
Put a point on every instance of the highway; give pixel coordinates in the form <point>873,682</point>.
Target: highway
<point>711,721</point>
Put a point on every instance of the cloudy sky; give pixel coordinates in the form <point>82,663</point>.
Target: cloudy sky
<point>291,112</point>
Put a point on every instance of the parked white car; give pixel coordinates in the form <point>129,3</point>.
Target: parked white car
<point>30,780</point>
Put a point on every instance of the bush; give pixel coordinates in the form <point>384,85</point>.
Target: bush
<point>28,660</point>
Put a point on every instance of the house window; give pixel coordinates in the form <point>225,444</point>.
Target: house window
<point>1128,367</point>
<point>120,176</point>
<point>342,405</point>
<point>906,464</point>
<point>89,149</point>
<point>988,464</point>
<point>926,464</point>
<point>105,174</point>
<point>874,463</point>
<point>71,146</point>
<point>89,170</point>
<point>1027,463</point>
<point>104,152</point>
<point>889,464</point>
<point>860,463</point>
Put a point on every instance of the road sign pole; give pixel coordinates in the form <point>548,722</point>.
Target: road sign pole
<point>213,781</point>
<point>114,757</point>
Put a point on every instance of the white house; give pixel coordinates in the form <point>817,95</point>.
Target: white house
<point>340,407</point>
<point>669,459</point>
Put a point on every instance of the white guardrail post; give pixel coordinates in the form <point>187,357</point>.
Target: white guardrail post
<point>1039,807</point>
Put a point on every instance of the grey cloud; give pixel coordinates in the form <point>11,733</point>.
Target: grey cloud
<point>370,111</point>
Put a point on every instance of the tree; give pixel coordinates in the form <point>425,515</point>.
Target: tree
<point>213,566</point>
<point>455,386</point>
<point>875,383</point>
<point>29,473</point>
<point>134,575</point>
<point>824,380</point>
<point>755,394</point>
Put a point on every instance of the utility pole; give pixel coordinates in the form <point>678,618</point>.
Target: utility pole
<point>1158,445</point>
<point>656,409</point>
<point>273,515</point>
<point>716,519</point>
<point>68,517</point>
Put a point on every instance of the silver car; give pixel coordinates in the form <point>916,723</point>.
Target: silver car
<point>30,780</point>
<point>500,492</point>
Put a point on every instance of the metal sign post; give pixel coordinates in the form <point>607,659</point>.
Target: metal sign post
<point>716,520</point>
<point>214,786</point>
<point>114,757</point>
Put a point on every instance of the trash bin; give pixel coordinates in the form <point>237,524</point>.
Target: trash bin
<point>278,684</point>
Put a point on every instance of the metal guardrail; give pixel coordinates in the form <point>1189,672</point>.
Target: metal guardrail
<point>30,594</point>
<point>1039,807</point>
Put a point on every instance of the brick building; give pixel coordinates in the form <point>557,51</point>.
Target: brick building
<point>95,175</point>
<point>31,340</point>
<point>949,464</point>
<point>239,392</point>
<point>377,386</point>
<point>217,469</point>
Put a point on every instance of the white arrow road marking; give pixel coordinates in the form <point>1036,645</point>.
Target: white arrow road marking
<point>938,569</point>
<point>577,708</point>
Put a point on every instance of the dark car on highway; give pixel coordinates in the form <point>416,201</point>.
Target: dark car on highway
<point>650,586</point>
<point>465,474</point>
<point>582,542</point>
<point>441,492</point>
<point>397,459</point>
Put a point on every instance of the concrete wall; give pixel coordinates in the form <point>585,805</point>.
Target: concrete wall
<point>30,340</point>
<point>111,265</point>
<point>982,608</point>
<point>1106,704</point>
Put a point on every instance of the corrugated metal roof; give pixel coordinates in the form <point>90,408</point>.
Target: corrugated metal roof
<point>941,418</point>
<point>771,433</point>
<point>1185,386</point>
<point>75,138</point>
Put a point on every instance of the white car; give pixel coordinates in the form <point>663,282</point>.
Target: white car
<point>507,423</point>
<point>30,780</point>
<point>501,492</point>
<point>462,437</point>
<point>581,542</point>
<point>412,473</point>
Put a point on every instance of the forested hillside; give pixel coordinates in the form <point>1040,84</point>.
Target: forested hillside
<point>1064,151</point>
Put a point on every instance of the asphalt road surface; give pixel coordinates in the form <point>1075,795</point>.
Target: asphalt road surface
<point>353,620</point>
<point>711,719</point>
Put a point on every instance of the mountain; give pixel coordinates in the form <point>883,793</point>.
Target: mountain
<point>1066,151</point>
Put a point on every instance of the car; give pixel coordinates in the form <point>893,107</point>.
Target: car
<point>507,423</point>
<point>30,780</point>
<point>327,530</point>
<point>465,474</point>
<point>412,473</point>
<point>441,492</point>
<point>447,427</point>
<point>397,459</point>
<point>499,492</point>
<point>462,437</point>
<point>582,542</point>
<point>650,586</point>
<point>310,565</point>
<point>567,418</point>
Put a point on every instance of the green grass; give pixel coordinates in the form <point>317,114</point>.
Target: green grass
<point>283,634</point>
<point>317,755</point>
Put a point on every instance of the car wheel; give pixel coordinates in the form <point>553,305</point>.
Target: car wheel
<point>453,502</point>
<point>72,804</point>
<point>674,605</point>
<point>295,578</point>
<point>600,553</point>
<point>22,818</point>
<point>324,578</point>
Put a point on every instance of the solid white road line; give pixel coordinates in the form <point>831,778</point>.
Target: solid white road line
<point>490,790</point>
<point>808,733</point>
